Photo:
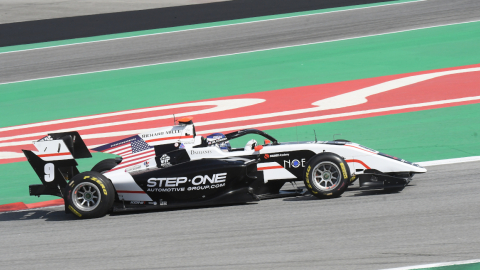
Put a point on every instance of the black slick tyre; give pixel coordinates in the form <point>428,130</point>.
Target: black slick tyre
<point>89,195</point>
<point>327,175</point>
<point>104,165</point>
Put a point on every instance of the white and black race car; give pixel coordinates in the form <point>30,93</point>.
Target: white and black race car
<point>173,167</point>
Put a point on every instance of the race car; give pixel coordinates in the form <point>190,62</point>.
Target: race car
<point>173,167</point>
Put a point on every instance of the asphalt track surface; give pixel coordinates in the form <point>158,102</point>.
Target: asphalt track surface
<point>434,219</point>
<point>29,10</point>
<point>208,42</point>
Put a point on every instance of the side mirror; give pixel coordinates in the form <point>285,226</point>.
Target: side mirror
<point>258,147</point>
<point>267,141</point>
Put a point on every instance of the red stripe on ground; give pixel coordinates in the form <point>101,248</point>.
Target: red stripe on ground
<point>22,206</point>
<point>13,207</point>
<point>442,88</point>
<point>46,203</point>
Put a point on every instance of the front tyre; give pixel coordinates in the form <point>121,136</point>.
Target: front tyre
<point>90,195</point>
<point>327,175</point>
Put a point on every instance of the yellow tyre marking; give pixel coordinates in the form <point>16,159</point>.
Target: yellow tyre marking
<point>74,211</point>
<point>344,171</point>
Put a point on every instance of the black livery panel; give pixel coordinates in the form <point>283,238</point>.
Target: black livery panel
<point>292,161</point>
<point>196,180</point>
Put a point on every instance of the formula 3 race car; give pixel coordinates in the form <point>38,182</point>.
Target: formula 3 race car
<point>172,167</point>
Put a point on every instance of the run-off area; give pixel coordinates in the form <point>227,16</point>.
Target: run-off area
<point>416,136</point>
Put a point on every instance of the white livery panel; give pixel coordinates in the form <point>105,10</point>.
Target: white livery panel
<point>126,186</point>
<point>167,135</point>
<point>52,150</point>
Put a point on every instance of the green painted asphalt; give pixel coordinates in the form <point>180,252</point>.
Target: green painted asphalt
<point>187,27</point>
<point>473,266</point>
<point>415,136</point>
<point>101,92</point>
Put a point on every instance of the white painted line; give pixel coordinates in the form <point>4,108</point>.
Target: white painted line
<point>265,124</point>
<point>216,26</point>
<point>331,116</point>
<point>230,54</point>
<point>448,161</point>
<point>340,101</point>
<point>217,105</point>
<point>434,265</point>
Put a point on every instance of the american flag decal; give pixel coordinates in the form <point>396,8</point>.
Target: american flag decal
<point>133,150</point>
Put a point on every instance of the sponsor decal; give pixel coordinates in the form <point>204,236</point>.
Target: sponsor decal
<point>146,163</point>
<point>161,203</point>
<point>161,133</point>
<point>344,171</point>
<point>152,135</point>
<point>122,142</point>
<point>98,182</point>
<point>137,202</point>
<point>206,187</point>
<point>165,161</point>
<point>166,189</point>
<point>199,182</point>
<point>200,152</point>
<point>280,155</point>
<point>182,146</point>
<point>174,131</point>
<point>294,163</point>
<point>133,168</point>
<point>267,156</point>
<point>74,211</point>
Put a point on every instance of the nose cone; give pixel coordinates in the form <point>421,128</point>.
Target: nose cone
<point>419,169</point>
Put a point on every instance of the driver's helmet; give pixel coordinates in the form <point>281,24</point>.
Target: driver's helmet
<point>250,145</point>
<point>219,140</point>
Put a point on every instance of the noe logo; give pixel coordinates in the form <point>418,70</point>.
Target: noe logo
<point>294,163</point>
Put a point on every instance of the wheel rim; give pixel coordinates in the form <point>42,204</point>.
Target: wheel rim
<point>86,196</point>
<point>326,176</point>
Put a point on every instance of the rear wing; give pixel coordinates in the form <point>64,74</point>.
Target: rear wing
<point>56,145</point>
<point>54,162</point>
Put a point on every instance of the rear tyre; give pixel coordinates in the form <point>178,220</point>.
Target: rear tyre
<point>327,175</point>
<point>90,195</point>
<point>105,165</point>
